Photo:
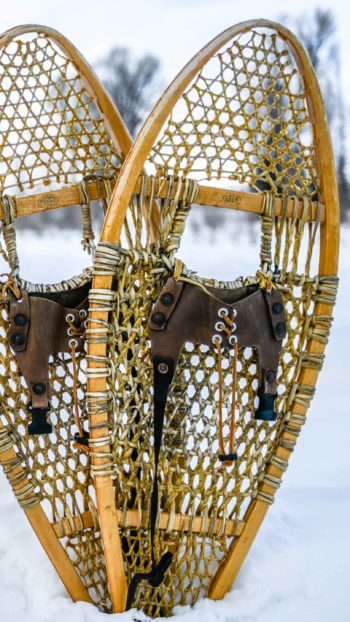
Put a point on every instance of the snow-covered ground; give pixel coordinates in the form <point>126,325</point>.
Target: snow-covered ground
<point>299,566</point>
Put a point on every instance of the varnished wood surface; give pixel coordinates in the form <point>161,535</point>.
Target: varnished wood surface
<point>133,519</point>
<point>207,195</point>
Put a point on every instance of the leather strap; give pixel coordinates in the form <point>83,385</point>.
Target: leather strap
<point>38,330</point>
<point>163,373</point>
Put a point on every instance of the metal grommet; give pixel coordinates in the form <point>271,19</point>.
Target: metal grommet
<point>163,368</point>
<point>158,318</point>
<point>232,340</point>
<point>20,319</point>
<point>39,388</point>
<point>216,338</point>
<point>83,314</point>
<point>72,342</point>
<point>70,317</point>
<point>280,328</point>
<point>270,375</point>
<point>17,339</point>
<point>222,311</point>
<point>277,308</point>
<point>219,326</point>
<point>167,299</point>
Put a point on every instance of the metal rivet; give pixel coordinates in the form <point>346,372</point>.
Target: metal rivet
<point>17,339</point>
<point>167,299</point>
<point>280,328</point>
<point>20,319</point>
<point>158,318</point>
<point>163,368</point>
<point>277,308</point>
<point>270,375</point>
<point>39,388</point>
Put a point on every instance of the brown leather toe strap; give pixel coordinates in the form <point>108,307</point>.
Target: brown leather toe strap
<point>38,330</point>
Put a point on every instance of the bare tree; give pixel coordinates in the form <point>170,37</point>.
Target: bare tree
<point>133,84</point>
<point>318,33</point>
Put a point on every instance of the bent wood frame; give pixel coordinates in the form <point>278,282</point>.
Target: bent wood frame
<point>328,262</point>
<point>46,533</point>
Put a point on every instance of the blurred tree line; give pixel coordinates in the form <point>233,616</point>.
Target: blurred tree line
<point>133,84</point>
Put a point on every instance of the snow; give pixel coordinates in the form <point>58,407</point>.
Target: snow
<point>299,565</point>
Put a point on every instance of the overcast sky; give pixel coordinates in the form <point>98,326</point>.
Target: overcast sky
<point>173,30</point>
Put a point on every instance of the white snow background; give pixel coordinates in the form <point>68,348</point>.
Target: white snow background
<point>299,566</point>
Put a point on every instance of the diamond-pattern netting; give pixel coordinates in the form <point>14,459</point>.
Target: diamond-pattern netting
<point>52,133</point>
<point>244,117</point>
<point>87,553</point>
<point>51,129</point>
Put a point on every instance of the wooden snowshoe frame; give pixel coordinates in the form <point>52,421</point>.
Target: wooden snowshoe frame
<point>246,109</point>
<point>60,134</point>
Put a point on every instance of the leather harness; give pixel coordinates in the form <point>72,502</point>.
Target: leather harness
<point>38,330</point>
<point>189,312</point>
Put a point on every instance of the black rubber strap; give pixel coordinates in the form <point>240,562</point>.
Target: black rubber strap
<point>266,409</point>
<point>39,424</point>
<point>227,457</point>
<point>163,373</point>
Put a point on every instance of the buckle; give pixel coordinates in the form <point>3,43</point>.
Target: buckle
<point>39,424</point>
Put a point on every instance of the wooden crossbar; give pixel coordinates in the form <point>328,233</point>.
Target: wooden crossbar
<point>209,196</point>
<point>133,519</point>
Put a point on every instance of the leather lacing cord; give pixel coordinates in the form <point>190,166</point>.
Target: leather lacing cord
<point>228,326</point>
<point>77,332</point>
